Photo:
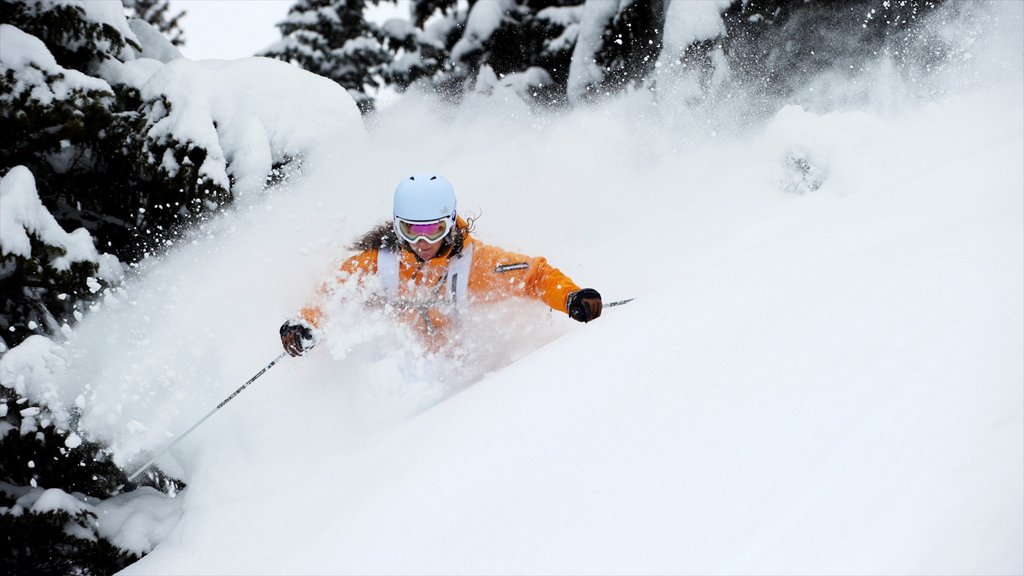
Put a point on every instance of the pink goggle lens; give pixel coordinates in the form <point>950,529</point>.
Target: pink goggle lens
<point>431,231</point>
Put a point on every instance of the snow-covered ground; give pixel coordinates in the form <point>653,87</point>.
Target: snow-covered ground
<point>822,372</point>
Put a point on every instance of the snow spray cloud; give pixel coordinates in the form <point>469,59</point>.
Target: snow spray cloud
<point>596,190</point>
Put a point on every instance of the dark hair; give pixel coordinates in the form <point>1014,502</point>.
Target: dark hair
<point>380,236</point>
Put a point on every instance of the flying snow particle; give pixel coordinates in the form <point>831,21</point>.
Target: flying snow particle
<point>135,426</point>
<point>73,440</point>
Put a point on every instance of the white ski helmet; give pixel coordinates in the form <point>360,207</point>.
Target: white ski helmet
<point>424,197</point>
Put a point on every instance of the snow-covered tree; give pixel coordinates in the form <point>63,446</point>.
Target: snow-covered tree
<point>58,128</point>
<point>47,273</point>
<point>46,523</point>
<point>776,47</point>
<point>156,13</point>
<point>65,182</point>
<point>420,51</point>
<point>631,43</point>
<point>524,45</point>
<point>556,51</point>
<point>76,40</point>
<point>111,146</point>
<point>332,38</point>
<point>71,128</point>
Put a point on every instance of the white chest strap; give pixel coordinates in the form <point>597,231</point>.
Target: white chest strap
<point>456,281</point>
<point>387,271</point>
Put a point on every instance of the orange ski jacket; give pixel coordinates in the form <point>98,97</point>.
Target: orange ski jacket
<point>493,274</point>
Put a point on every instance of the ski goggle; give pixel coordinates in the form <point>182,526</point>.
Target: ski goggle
<point>432,231</point>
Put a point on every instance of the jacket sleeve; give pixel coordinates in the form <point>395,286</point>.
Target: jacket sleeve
<point>356,267</point>
<point>498,274</point>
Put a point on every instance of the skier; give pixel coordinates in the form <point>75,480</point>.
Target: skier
<point>430,268</point>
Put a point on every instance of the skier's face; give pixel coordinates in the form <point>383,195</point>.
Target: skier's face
<point>425,250</point>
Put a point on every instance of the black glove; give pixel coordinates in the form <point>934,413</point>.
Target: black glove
<point>297,337</point>
<point>584,305</point>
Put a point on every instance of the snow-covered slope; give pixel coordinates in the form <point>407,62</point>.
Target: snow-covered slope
<point>827,382</point>
<point>822,371</point>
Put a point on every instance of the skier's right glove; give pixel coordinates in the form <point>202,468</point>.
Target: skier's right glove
<point>297,337</point>
<point>584,305</point>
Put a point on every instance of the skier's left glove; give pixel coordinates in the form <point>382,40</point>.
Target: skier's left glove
<point>584,305</point>
<point>297,337</point>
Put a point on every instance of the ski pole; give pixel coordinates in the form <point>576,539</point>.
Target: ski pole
<point>201,420</point>
<point>618,303</point>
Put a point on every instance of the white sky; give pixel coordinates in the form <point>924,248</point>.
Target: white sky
<point>220,29</point>
<point>230,29</point>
